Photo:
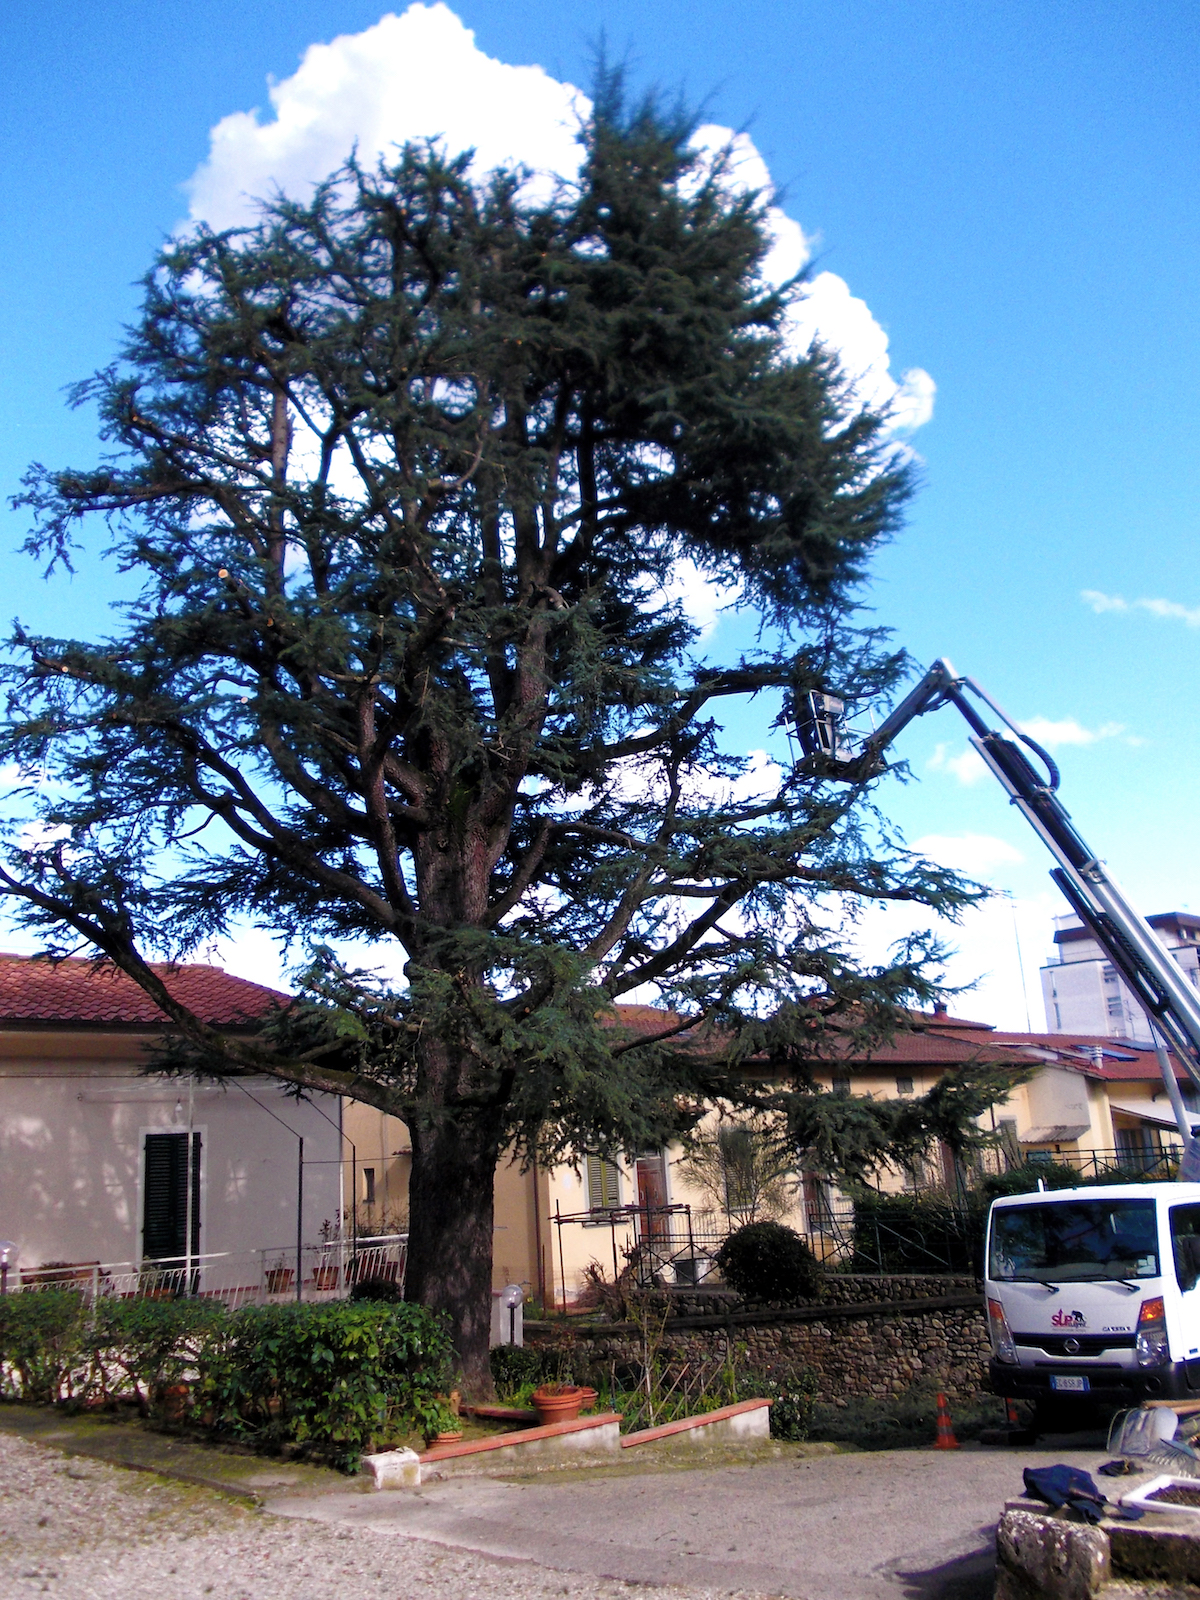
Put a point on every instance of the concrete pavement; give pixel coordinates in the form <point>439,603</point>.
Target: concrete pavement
<point>886,1525</point>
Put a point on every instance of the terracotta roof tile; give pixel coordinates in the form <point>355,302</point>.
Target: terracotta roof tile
<point>83,993</point>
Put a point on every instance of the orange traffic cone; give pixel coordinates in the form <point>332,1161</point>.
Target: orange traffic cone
<point>945,1433</point>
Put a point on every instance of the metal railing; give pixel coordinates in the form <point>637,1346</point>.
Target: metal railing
<point>675,1246</point>
<point>657,1245</point>
<point>236,1278</point>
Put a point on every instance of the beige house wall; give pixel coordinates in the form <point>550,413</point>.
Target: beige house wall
<point>74,1112</point>
<point>551,1261</point>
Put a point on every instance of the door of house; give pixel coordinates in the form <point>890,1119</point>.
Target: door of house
<point>165,1198</point>
<point>1138,1147</point>
<point>651,1172</point>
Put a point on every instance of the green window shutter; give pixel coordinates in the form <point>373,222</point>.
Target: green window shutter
<point>603,1184</point>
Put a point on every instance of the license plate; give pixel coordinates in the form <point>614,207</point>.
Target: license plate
<point>1072,1385</point>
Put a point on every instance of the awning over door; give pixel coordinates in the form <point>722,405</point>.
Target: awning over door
<point>1156,1116</point>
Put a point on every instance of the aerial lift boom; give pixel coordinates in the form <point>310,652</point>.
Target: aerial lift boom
<point>1171,1004</point>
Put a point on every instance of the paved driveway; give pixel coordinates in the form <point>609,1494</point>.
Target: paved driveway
<point>887,1525</point>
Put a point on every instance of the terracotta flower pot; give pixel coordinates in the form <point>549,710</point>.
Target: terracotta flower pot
<point>450,1436</point>
<point>280,1279</point>
<point>560,1402</point>
<point>174,1401</point>
<point>590,1396</point>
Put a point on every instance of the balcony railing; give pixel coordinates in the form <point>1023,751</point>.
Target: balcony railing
<point>236,1278</point>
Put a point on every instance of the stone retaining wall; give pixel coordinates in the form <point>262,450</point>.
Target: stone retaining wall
<point>839,1288</point>
<point>877,1350</point>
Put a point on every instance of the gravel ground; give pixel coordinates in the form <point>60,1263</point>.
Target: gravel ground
<point>81,1530</point>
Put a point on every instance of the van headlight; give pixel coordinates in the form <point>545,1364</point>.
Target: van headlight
<point>1003,1346</point>
<point>1152,1346</point>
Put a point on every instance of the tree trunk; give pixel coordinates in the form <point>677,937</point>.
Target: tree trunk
<point>450,1233</point>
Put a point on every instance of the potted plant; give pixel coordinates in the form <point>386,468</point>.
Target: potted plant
<point>325,1273</point>
<point>559,1402</point>
<point>280,1277</point>
<point>439,1424</point>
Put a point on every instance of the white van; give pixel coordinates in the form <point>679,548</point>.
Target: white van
<point>1092,1294</point>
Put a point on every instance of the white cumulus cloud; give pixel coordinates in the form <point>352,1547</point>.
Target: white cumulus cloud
<point>421,75</point>
<point>414,76</point>
<point>844,324</point>
<point>1171,610</point>
<point>977,854</point>
<point>1050,733</point>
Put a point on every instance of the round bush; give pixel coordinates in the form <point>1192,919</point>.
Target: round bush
<point>385,1291</point>
<point>766,1261</point>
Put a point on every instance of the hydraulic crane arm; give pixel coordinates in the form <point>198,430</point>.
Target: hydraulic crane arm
<point>1170,1001</point>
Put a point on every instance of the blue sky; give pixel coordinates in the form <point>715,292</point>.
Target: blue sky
<point>1011,190</point>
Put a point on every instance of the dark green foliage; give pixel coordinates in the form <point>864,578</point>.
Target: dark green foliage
<point>901,1422</point>
<point>768,1262</point>
<point>402,469</point>
<point>919,1233</point>
<point>144,1346</point>
<point>517,1370</point>
<point>41,1349</point>
<point>383,1291</point>
<point>513,1366</point>
<point>792,1392</point>
<point>851,1136</point>
<point>328,1380</point>
<point>1025,1179</point>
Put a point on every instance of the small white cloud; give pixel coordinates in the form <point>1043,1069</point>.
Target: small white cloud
<point>1051,734</point>
<point>1103,602</point>
<point>1171,610</point>
<point>967,766</point>
<point>912,404</point>
<point>973,853</point>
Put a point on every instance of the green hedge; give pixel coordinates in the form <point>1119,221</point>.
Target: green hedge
<point>329,1380</point>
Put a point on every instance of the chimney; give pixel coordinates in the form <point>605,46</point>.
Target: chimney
<point>939,1008</point>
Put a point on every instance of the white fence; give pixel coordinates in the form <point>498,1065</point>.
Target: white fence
<point>241,1278</point>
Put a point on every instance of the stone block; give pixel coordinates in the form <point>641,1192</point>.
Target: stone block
<point>1047,1558</point>
<point>394,1469</point>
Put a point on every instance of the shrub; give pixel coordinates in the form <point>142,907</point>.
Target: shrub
<point>382,1291</point>
<point>41,1352</point>
<point>792,1392</point>
<point>918,1233</point>
<point>151,1344</point>
<point>513,1366</point>
<point>330,1379</point>
<point>769,1262</point>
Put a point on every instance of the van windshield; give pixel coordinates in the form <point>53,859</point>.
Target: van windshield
<point>1070,1241</point>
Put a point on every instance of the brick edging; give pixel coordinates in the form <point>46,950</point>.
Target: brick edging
<point>819,1312</point>
<point>686,1424</point>
<point>504,1441</point>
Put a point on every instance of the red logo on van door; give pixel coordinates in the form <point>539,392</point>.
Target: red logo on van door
<point>1068,1319</point>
